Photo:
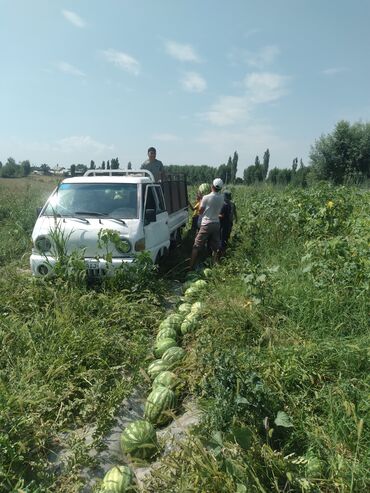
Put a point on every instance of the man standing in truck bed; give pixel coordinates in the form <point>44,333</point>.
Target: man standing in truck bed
<point>152,164</point>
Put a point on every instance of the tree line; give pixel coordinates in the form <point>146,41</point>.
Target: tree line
<point>342,156</point>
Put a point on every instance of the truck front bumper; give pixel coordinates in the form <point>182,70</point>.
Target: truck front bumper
<point>42,266</point>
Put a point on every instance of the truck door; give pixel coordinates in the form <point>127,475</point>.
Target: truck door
<point>156,229</point>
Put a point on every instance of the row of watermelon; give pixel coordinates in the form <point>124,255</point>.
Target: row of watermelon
<point>139,439</point>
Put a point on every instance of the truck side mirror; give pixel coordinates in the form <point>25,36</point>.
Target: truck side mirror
<point>150,216</point>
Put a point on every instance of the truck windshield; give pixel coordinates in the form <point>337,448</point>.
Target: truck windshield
<point>112,200</point>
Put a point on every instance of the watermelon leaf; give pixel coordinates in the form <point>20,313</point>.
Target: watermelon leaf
<point>242,436</point>
<point>282,419</point>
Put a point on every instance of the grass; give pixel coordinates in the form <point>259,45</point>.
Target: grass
<point>282,341</point>
<point>279,365</point>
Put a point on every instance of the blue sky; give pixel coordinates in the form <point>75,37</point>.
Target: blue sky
<point>197,79</point>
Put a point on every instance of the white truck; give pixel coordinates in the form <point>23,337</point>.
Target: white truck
<point>142,214</point>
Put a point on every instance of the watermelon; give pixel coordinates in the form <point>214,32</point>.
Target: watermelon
<point>173,355</point>
<point>162,345</point>
<point>204,188</point>
<point>118,479</point>
<point>200,284</point>
<point>192,317</point>
<point>166,332</point>
<point>174,321</point>
<point>159,402</point>
<point>139,439</point>
<point>197,307</point>
<point>184,308</point>
<point>156,367</point>
<point>187,285</point>
<point>191,293</point>
<point>187,327</point>
<point>167,379</point>
<point>190,322</point>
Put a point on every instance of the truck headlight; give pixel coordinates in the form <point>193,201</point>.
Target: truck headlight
<point>123,246</point>
<point>43,244</point>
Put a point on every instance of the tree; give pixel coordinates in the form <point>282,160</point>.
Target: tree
<point>234,166</point>
<point>45,169</point>
<point>343,155</point>
<point>229,171</point>
<point>10,169</point>
<point>80,169</point>
<point>103,165</point>
<point>249,175</point>
<point>266,161</point>
<point>295,164</point>
<point>108,164</point>
<point>92,164</point>
<point>73,170</point>
<point>25,168</point>
<point>129,165</point>
<point>114,163</point>
<point>222,172</point>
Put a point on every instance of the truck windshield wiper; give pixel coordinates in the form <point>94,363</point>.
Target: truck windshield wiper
<point>90,213</point>
<point>101,214</point>
<point>117,220</point>
<point>71,216</point>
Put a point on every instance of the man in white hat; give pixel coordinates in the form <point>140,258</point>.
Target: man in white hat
<point>209,231</point>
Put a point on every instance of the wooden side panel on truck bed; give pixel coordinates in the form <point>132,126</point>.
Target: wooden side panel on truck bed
<point>175,192</point>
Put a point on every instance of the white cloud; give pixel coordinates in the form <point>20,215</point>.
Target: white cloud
<point>260,87</point>
<point>334,70</point>
<point>80,144</point>
<point>265,56</point>
<point>227,110</point>
<point>182,52</point>
<point>67,68</point>
<point>193,82</point>
<point>73,18</point>
<point>263,87</point>
<point>165,137</point>
<point>122,60</point>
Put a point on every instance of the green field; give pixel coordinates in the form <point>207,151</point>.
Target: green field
<point>279,364</point>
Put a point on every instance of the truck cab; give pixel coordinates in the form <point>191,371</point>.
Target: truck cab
<point>141,214</point>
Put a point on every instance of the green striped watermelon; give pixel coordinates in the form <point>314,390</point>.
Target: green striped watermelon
<point>139,439</point>
<point>191,294</point>
<point>167,379</point>
<point>173,355</point>
<point>166,332</point>
<point>162,345</point>
<point>174,321</point>
<point>184,308</point>
<point>187,326</point>
<point>156,367</point>
<point>160,401</point>
<point>118,479</point>
<point>196,307</point>
<point>200,284</point>
<point>204,188</point>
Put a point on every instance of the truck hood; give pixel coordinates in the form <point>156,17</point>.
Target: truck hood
<point>81,234</point>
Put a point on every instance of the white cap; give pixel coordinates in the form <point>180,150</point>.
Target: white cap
<point>218,183</point>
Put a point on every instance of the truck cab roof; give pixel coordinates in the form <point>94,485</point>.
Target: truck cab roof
<point>113,176</point>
